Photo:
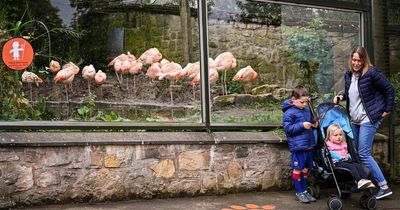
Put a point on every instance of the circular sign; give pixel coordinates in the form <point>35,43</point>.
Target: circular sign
<point>17,54</point>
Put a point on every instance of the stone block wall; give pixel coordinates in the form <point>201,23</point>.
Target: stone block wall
<point>44,168</point>
<point>36,175</point>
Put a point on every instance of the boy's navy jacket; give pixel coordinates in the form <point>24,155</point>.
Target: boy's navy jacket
<point>298,137</point>
<point>376,92</point>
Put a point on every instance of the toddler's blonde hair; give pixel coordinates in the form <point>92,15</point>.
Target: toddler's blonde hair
<point>332,129</point>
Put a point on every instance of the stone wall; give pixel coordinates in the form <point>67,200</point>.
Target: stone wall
<point>95,172</point>
<point>43,168</point>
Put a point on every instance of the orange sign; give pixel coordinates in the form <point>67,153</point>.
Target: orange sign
<point>17,54</point>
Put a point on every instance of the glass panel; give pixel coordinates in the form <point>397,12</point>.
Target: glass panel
<point>286,45</point>
<point>141,46</point>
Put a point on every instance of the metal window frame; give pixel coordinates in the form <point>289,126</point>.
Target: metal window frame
<point>364,7</point>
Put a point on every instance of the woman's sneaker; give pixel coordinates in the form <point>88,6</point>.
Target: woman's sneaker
<point>381,193</point>
<point>302,198</point>
<point>363,183</point>
<point>310,197</point>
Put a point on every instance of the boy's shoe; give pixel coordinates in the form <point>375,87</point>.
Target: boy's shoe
<point>310,197</point>
<point>302,198</point>
<point>363,183</point>
<point>381,193</point>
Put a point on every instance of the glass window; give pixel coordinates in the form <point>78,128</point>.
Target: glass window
<point>268,48</point>
<point>149,52</point>
<point>140,47</point>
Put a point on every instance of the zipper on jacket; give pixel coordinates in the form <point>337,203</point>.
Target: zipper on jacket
<point>362,100</point>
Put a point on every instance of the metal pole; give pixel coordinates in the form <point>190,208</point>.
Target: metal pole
<point>204,81</point>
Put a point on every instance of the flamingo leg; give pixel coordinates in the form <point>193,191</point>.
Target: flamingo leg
<point>118,79</point>
<point>226,88</point>
<point>66,94</point>
<point>194,93</point>
<point>134,83</point>
<point>89,86</point>
<point>101,92</point>
<point>172,96</point>
<point>30,90</point>
<point>222,85</point>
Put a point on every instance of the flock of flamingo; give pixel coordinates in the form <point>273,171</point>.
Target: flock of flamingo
<point>152,63</point>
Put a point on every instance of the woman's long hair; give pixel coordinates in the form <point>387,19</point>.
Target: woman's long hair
<point>362,52</point>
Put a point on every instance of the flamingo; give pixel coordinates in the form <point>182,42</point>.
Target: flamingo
<point>191,70</point>
<point>74,68</point>
<point>213,77</point>
<point>117,63</point>
<point>29,78</point>
<point>153,70</point>
<point>150,56</point>
<point>246,75</point>
<point>65,76</point>
<point>54,66</point>
<point>100,78</point>
<point>135,68</point>
<point>171,71</point>
<point>88,73</point>
<point>222,63</point>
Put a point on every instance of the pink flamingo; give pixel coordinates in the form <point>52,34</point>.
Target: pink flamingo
<point>150,56</point>
<point>213,77</point>
<point>54,66</point>
<point>29,78</point>
<point>88,73</point>
<point>171,71</point>
<point>100,78</point>
<point>65,76</point>
<point>117,63</point>
<point>153,70</point>
<point>222,63</point>
<point>135,69</point>
<point>246,75</point>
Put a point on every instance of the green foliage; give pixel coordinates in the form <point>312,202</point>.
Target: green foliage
<point>18,19</point>
<point>88,112</point>
<point>309,47</point>
<point>260,12</point>
<point>395,80</point>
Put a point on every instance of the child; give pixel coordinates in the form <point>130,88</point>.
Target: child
<point>297,123</point>
<point>337,146</point>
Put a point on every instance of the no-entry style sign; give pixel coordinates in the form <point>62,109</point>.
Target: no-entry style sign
<point>17,54</point>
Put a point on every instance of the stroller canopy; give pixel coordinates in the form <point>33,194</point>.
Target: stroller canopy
<point>330,113</point>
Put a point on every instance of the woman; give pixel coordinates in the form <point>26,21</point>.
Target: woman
<point>370,99</point>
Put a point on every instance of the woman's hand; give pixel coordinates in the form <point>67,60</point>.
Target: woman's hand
<point>337,99</point>
<point>384,115</point>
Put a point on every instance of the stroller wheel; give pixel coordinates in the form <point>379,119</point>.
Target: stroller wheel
<point>368,201</point>
<point>314,191</point>
<point>335,203</point>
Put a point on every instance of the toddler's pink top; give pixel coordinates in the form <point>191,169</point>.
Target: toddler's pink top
<point>340,149</point>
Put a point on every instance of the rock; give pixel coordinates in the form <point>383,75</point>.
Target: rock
<point>282,93</point>
<point>264,89</point>
<point>164,168</point>
<point>221,101</point>
<point>243,99</point>
<point>261,98</point>
<point>196,160</point>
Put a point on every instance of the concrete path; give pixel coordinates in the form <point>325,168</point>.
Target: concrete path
<point>279,200</point>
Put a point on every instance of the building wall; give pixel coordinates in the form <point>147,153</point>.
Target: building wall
<point>37,169</point>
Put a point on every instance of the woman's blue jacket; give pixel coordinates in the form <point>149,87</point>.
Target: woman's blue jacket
<point>376,92</point>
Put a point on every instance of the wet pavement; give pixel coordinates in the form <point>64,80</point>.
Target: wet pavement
<point>253,200</point>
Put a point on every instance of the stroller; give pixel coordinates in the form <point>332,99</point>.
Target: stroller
<point>327,172</point>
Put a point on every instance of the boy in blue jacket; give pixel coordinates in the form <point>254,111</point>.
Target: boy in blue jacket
<point>298,124</point>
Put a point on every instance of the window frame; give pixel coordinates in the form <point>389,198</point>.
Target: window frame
<point>363,7</point>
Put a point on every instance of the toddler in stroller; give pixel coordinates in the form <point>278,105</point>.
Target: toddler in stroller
<point>337,146</point>
<point>341,166</point>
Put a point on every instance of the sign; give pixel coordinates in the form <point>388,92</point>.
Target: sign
<point>17,54</point>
